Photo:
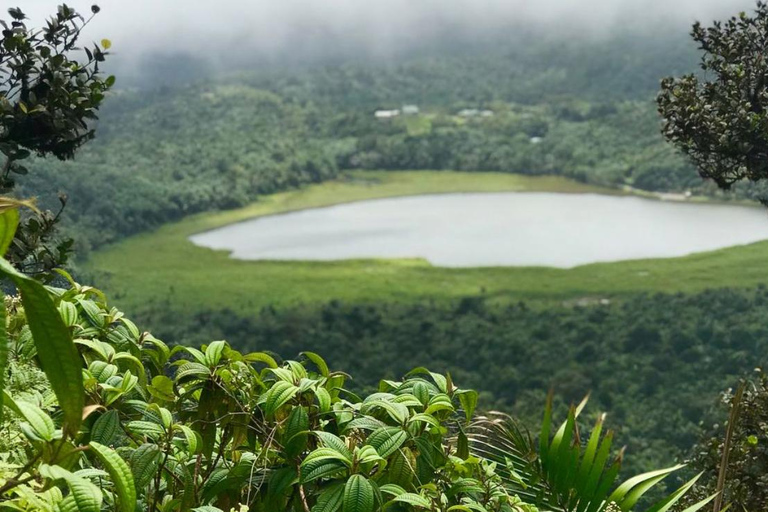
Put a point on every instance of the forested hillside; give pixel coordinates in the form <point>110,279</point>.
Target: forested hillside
<point>654,362</point>
<point>315,393</point>
<point>581,110</point>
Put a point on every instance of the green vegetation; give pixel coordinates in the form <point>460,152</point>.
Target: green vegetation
<point>720,122</point>
<point>98,415</point>
<point>213,429</point>
<point>655,362</point>
<point>581,110</point>
<point>129,269</point>
<point>747,467</point>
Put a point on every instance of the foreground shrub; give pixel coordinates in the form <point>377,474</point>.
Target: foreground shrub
<point>174,429</point>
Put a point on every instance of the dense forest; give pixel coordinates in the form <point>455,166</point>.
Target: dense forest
<point>98,414</point>
<point>653,361</point>
<point>581,110</point>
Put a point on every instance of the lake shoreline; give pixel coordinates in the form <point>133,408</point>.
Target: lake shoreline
<point>163,266</point>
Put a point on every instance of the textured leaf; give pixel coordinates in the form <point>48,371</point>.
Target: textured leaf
<point>144,463</point>
<point>191,439</point>
<point>320,468</point>
<point>358,495</point>
<point>421,392</point>
<point>261,357</point>
<point>324,453</point>
<point>58,356</point>
<point>41,423</point>
<point>387,440</point>
<point>330,499</point>
<point>278,395</point>
<point>402,468</point>
<point>213,352</point>
<point>295,435</point>
<point>334,442</point>
<point>392,489</point>
<point>68,313</point>
<point>196,370</point>
<point>323,399</point>
<point>120,475</point>
<point>106,428</point>
<point>87,496</point>
<point>145,428</point>
<point>365,423</point>
<point>319,362</point>
<point>415,500</point>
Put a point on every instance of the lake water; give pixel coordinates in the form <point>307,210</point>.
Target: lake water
<point>496,229</point>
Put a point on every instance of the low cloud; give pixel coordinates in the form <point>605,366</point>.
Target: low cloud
<point>251,29</point>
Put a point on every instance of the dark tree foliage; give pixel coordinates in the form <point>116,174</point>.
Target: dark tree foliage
<point>50,92</point>
<point>746,484</point>
<point>654,361</point>
<point>721,122</point>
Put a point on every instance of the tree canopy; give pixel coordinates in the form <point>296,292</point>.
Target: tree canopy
<point>719,119</point>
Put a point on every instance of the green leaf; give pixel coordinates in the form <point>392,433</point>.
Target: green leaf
<point>392,489</point>
<point>68,313</point>
<point>9,221</point>
<point>106,428</point>
<point>120,474</point>
<point>387,440</point>
<point>58,356</point>
<point>324,453</point>
<point>278,395</point>
<point>3,352</point>
<point>323,399</point>
<point>396,411</point>
<point>87,496</point>
<point>468,400</point>
<point>261,357</point>
<point>320,468</point>
<point>402,468</point>
<point>415,500</point>
<point>213,352</point>
<point>358,495</point>
<point>628,493</point>
<point>162,388</point>
<point>365,423</point>
<point>334,442</point>
<point>330,499</point>
<point>319,362</point>
<point>144,463</point>
<point>38,420</point>
<point>667,503</point>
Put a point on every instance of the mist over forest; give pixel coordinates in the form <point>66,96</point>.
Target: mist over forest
<point>384,256</point>
<point>199,39</point>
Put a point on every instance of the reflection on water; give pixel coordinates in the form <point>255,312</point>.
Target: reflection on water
<point>499,229</point>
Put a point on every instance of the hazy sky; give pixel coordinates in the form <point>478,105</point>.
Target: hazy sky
<point>375,26</point>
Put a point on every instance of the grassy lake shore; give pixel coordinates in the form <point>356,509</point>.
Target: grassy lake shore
<point>164,264</point>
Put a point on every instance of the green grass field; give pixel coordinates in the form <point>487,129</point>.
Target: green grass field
<point>165,265</point>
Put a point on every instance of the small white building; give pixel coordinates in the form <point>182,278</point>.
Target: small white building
<point>386,114</point>
<point>469,112</point>
<point>486,113</point>
<point>536,140</point>
<point>410,110</point>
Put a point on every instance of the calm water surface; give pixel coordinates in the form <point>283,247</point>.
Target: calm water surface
<point>498,229</point>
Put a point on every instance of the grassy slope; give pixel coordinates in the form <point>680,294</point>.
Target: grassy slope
<point>164,264</point>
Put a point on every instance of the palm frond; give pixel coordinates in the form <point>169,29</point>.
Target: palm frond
<point>561,473</point>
